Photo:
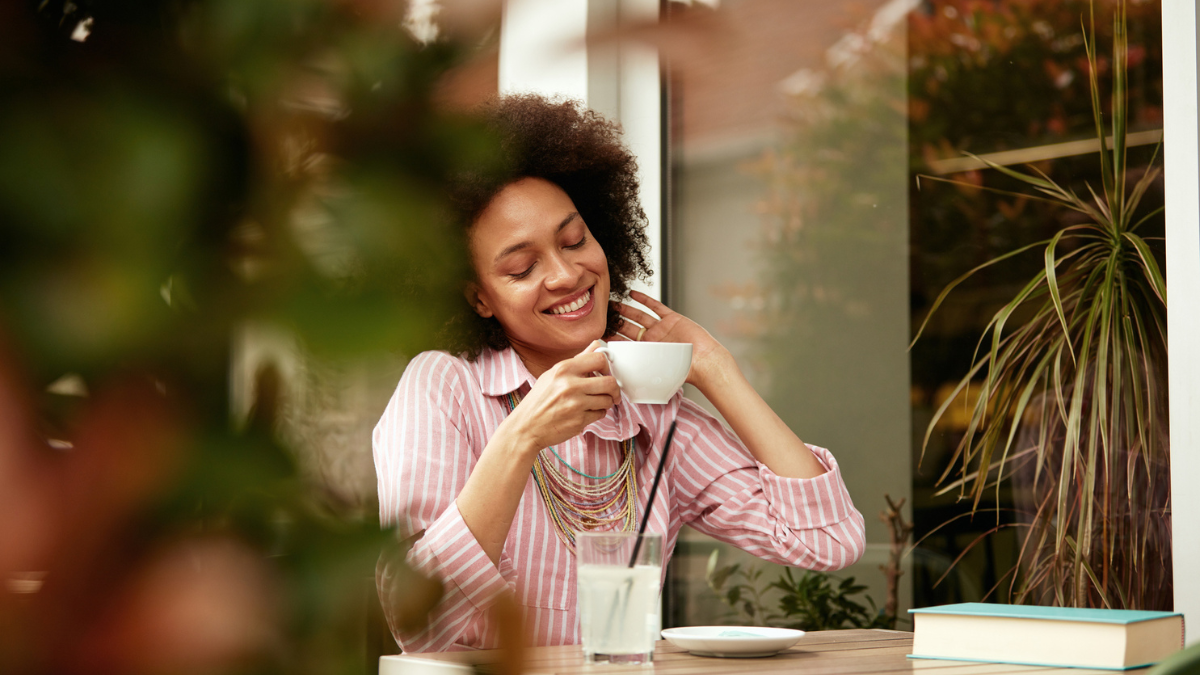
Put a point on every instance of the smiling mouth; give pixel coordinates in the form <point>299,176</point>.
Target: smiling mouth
<point>575,304</point>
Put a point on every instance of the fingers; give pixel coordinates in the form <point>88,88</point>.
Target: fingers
<point>596,392</point>
<point>637,325</point>
<point>630,332</point>
<point>596,344</point>
<point>603,386</point>
<point>654,305</point>
<point>578,391</point>
<point>634,314</point>
<point>589,362</point>
<point>598,406</point>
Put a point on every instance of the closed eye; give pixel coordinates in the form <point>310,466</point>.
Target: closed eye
<point>577,245</point>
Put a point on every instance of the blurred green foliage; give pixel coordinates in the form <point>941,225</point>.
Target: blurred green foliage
<point>814,602</point>
<point>169,171</point>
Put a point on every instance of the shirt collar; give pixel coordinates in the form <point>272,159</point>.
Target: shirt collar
<point>503,372</point>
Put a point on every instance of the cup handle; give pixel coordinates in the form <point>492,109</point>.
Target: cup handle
<point>611,359</point>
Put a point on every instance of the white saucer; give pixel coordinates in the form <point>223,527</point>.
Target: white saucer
<point>732,641</point>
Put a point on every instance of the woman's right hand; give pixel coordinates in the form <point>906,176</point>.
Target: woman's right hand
<point>569,396</point>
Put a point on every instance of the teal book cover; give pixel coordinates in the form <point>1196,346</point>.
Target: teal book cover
<point>1122,616</point>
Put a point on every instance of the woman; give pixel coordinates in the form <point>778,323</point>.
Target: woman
<point>550,242</point>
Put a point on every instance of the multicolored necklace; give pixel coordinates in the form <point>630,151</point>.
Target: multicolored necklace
<point>580,506</point>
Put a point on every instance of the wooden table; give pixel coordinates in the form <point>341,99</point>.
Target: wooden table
<point>842,652</point>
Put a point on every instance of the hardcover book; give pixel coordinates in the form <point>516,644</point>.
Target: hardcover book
<point>1113,639</point>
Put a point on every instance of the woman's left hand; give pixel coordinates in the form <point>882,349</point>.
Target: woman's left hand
<point>708,355</point>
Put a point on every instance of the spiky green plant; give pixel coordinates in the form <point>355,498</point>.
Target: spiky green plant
<point>1071,406</point>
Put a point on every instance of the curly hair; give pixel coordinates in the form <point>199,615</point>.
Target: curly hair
<point>580,152</point>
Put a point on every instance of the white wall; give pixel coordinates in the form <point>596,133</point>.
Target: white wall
<point>1182,150</point>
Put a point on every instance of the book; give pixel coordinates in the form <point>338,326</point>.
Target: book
<point>1111,639</point>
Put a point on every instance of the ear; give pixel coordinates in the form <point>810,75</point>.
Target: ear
<point>477,301</point>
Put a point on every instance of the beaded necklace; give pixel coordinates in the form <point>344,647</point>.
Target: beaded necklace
<point>580,506</point>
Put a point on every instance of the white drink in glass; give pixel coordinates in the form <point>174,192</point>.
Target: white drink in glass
<point>619,576</point>
<point>619,610</point>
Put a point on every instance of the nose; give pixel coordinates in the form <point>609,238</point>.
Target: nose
<point>562,273</point>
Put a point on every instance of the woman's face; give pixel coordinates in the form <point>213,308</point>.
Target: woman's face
<point>539,272</point>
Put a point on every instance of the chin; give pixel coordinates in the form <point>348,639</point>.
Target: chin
<point>602,328</point>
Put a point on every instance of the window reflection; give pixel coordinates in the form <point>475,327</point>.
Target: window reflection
<point>1008,81</point>
<point>791,239</point>
<point>802,237</point>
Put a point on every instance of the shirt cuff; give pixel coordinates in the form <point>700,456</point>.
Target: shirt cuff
<point>808,503</point>
<point>451,553</point>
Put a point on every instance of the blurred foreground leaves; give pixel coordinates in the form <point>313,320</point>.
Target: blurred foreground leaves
<point>169,171</point>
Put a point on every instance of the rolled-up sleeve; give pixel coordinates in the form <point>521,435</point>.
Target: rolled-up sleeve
<point>422,461</point>
<point>725,493</point>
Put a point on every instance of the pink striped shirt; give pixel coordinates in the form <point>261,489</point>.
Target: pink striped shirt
<point>436,426</point>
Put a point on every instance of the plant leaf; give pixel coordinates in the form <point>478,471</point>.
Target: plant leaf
<point>1052,284</point>
<point>946,404</point>
<point>1120,104</point>
<point>1150,265</point>
<point>1089,43</point>
<point>1139,189</point>
<point>1106,217</point>
<point>953,284</point>
<point>1146,217</point>
<point>1023,195</point>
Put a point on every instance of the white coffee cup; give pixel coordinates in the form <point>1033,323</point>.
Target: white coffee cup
<point>648,372</point>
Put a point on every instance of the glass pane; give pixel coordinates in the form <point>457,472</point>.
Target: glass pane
<point>790,245</point>
<point>810,234</point>
<point>1007,81</point>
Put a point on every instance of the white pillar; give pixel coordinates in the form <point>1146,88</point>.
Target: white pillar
<point>1182,160</point>
<point>640,109</point>
<point>541,50</point>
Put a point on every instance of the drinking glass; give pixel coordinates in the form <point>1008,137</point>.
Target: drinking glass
<point>619,605</point>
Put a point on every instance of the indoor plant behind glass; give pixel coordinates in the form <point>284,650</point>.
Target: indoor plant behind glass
<point>1072,405</point>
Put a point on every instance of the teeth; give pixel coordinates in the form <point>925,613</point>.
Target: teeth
<point>571,307</point>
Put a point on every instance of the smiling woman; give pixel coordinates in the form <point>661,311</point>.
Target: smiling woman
<point>492,454</point>
<point>580,154</point>
<point>540,273</point>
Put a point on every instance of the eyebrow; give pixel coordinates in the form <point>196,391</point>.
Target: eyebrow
<point>526,244</point>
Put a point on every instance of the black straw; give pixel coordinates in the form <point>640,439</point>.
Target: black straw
<point>653,490</point>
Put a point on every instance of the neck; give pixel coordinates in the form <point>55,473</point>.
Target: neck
<point>537,362</point>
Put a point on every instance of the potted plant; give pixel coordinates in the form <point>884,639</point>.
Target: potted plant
<point>1071,373</point>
